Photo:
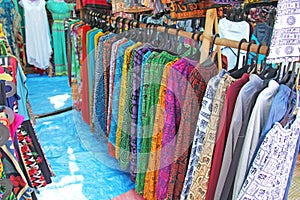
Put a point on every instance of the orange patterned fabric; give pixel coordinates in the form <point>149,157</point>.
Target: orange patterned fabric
<point>154,160</point>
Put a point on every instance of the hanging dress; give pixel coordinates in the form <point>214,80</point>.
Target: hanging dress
<point>38,46</point>
<point>59,10</point>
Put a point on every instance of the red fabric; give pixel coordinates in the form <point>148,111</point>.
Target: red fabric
<point>84,77</point>
<point>94,2</point>
<point>229,104</point>
<point>111,150</point>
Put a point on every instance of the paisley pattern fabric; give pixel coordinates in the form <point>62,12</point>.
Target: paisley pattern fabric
<point>153,75</point>
<point>190,110</point>
<point>99,119</point>
<point>138,130</point>
<point>117,60</point>
<point>112,70</point>
<point>154,158</point>
<point>135,97</point>
<point>129,46</point>
<point>175,95</point>
<point>10,20</point>
<point>126,122</point>
<point>139,182</point>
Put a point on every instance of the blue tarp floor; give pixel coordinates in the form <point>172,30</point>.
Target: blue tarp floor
<point>79,159</point>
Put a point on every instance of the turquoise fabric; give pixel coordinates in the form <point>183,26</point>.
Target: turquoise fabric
<point>117,87</point>
<point>59,11</point>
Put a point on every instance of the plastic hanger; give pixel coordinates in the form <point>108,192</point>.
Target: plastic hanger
<point>245,62</point>
<point>154,36</point>
<point>278,71</point>
<point>108,26</point>
<point>213,52</point>
<point>245,67</point>
<point>286,75</point>
<point>291,80</point>
<point>123,29</point>
<point>197,54</point>
<point>165,42</point>
<point>254,64</point>
<point>183,49</point>
<point>192,46</point>
<point>238,56</point>
<point>174,46</point>
<point>116,29</point>
<point>137,33</point>
<point>129,27</point>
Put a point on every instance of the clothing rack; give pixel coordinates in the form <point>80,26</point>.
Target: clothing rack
<point>207,36</point>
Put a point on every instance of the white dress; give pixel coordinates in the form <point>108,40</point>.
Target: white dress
<point>38,47</point>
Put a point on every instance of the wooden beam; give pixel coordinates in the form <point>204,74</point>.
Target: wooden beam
<point>205,38</point>
<point>211,16</point>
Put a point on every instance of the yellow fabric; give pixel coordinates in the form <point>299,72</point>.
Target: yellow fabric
<point>96,39</point>
<point>1,31</point>
<point>6,77</point>
<point>154,160</point>
<point>122,97</point>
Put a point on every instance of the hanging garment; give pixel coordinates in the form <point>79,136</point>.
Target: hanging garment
<point>21,189</point>
<point>19,79</point>
<point>84,76</point>
<point>10,20</point>
<point>112,69</point>
<point>201,176</point>
<point>31,160</point>
<point>175,94</point>
<point>75,66</point>
<point>38,48</point>
<point>125,124</point>
<point>106,65</point>
<point>203,119</point>
<point>284,46</point>
<point>145,98</point>
<point>152,80</point>
<point>27,131</point>
<point>154,158</point>
<point>263,32</point>
<point>241,114</point>
<point>59,11</point>
<point>234,31</point>
<point>226,117</point>
<point>278,108</point>
<point>257,120</point>
<point>269,173</point>
<point>116,62</point>
<point>119,59</point>
<point>190,111</point>
<point>122,73</point>
<point>92,64</point>
<point>137,130</point>
<point>100,89</point>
